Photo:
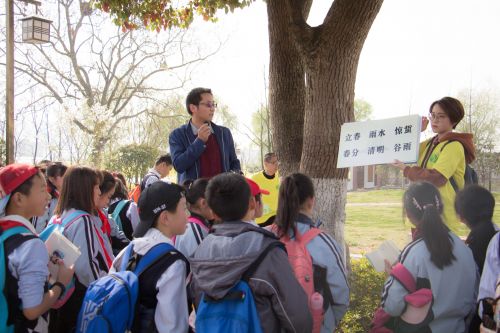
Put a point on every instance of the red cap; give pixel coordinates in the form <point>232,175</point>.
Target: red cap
<point>13,175</point>
<point>254,188</point>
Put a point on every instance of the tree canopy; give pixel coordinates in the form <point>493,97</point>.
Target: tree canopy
<point>164,14</point>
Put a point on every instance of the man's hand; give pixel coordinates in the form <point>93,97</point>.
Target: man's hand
<point>204,132</point>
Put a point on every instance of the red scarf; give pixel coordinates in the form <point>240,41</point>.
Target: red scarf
<point>106,227</point>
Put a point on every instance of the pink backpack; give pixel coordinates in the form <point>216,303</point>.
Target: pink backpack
<point>302,266</point>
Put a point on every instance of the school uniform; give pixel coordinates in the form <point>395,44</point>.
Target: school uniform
<point>26,277</point>
<point>129,216</point>
<point>454,287</point>
<point>94,262</point>
<point>327,255</point>
<point>151,177</point>
<point>195,233</point>
<point>171,310</point>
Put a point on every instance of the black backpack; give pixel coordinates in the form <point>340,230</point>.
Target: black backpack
<point>470,175</point>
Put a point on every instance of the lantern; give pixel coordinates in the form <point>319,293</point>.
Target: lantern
<point>36,29</point>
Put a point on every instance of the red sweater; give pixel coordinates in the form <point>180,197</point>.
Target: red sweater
<point>210,159</point>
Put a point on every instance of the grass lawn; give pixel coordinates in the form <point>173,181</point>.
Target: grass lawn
<point>369,225</point>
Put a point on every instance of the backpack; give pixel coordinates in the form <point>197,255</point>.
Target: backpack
<point>135,193</point>
<point>7,230</point>
<point>470,175</point>
<point>116,214</point>
<point>302,266</point>
<point>236,311</point>
<point>110,302</point>
<point>418,306</point>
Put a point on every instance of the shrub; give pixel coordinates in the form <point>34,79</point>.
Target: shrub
<point>366,288</point>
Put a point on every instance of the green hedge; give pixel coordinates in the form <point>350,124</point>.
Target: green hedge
<point>366,287</point>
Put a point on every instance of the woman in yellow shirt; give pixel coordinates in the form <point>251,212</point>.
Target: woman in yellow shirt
<point>444,156</point>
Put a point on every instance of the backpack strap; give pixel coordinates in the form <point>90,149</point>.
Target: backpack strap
<point>305,238</point>
<point>253,267</point>
<point>157,253</point>
<point>116,213</point>
<point>6,233</point>
<point>428,151</point>
<point>451,179</point>
<point>403,276</point>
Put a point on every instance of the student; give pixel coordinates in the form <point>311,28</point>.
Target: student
<point>124,210</point>
<point>162,208</point>
<point>232,247</point>
<point>294,215</point>
<point>109,227</point>
<point>54,173</point>
<point>436,259</point>
<point>162,168</point>
<point>200,148</point>
<point>269,180</point>
<point>443,158</point>
<point>256,193</point>
<point>199,223</point>
<point>474,206</point>
<point>26,256</point>
<point>81,192</point>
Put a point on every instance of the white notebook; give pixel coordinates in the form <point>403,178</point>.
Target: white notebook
<point>60,246</point>
<point>387,250</point>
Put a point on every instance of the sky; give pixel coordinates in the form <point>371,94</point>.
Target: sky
<point>416,52</point>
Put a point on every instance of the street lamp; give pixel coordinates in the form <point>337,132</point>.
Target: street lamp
<point>35,30</point>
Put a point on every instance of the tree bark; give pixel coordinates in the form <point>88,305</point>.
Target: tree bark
<point>286,88</point>
<point>330,54</point>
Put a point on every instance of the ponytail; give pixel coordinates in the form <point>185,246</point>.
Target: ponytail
<point>422,203</point>
<point>294,190</point>
<point>436,238</point>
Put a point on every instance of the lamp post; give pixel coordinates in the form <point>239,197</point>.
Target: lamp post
<point>35,30</point>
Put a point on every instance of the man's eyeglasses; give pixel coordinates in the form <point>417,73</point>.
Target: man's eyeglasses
<point>437,116</point>
<point>209,105</point>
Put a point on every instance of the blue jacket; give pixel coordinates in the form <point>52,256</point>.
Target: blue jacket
<point>186,149</point>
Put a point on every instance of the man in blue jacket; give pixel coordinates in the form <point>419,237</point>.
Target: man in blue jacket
<point>200,148</point>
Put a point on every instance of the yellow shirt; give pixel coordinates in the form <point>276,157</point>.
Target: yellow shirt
<point>269,201</point>
<point>449,162</point>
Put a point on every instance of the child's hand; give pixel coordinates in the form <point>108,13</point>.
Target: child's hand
<point>64,274</point>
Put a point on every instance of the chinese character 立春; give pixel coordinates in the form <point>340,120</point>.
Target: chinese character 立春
<point>357,136</point>
<point>348,137</point>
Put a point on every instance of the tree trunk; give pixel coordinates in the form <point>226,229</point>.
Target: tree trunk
<point>331,53</point>
<point>286,89</point>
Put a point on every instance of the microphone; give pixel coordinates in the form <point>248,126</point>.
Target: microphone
<point>209,126</point>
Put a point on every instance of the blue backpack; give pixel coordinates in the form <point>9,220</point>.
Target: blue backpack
<point>4,308</point>
<point>110,302</point>
<point>236,312</point>
<point>116,213</point>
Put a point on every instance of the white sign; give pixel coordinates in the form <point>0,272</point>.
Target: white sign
<point>379,141</point>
